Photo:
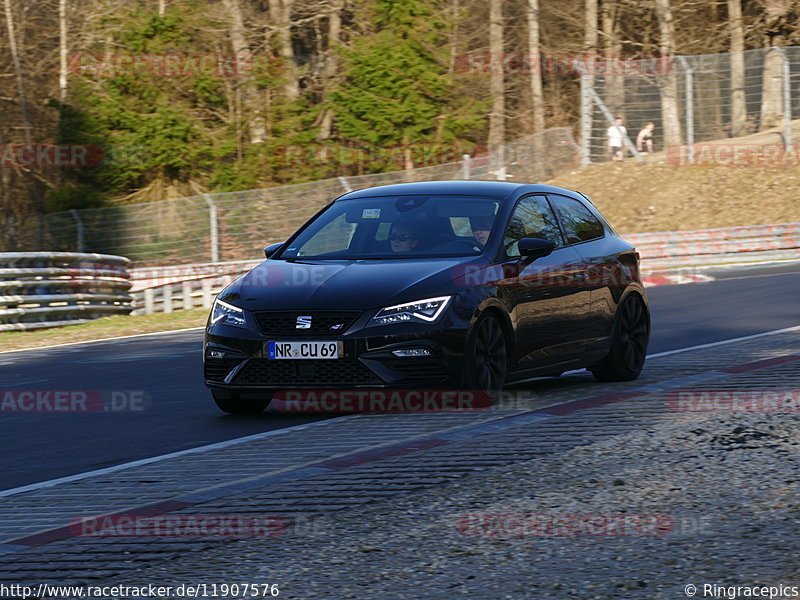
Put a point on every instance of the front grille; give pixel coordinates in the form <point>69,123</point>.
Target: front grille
<point>322,322</point>
<point>426,368</point>
<point>272,372</point>
<point>217,369</point>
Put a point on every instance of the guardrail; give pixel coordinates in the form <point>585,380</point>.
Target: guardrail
<point>181,287</point>
<point>667,250</point>
<point>183,295</point>
<point>150,277</point>
<point>167,289</point>
<point>50,289</point>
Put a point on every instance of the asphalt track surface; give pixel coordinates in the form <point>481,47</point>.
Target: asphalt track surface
<point>36,447</point>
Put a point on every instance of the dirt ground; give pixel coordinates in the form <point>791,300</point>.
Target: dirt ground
<point>748,180</point>
<point>641,197</point>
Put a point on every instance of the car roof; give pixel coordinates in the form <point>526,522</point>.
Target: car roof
<point>497,189</point>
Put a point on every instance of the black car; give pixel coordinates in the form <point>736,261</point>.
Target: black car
<point>452,284</point>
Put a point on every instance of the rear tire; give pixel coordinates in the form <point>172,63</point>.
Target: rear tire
<point>235,405</point>
<point>628,343</point>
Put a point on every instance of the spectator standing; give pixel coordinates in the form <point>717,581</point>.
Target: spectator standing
<point>616,138</point>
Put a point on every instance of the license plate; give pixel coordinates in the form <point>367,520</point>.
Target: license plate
<point>307,350</point>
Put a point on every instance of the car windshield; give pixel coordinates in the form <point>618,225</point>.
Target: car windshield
<point>397,227</point>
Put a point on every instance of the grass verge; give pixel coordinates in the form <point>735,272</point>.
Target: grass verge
<point>107,327</point>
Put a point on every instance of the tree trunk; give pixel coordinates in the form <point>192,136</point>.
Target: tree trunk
<point>15,59</point>
<point>62,50</point>
<point>590,41</point>
<point>668,83</point>
<point>615,83</point>
<point>772,82</point>
<point>534,56</point>
<point>162,7</point>
<point>497,133</point>
<point>738,99</point>
<point>331,66</point>
<point>249,113</point>
<point>280,12</point>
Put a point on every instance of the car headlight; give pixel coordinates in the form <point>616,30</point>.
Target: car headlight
<point>421,311</point>
<point>232,315</point>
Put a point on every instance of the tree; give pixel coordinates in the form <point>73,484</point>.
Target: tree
<point>497,116</point>
<point>668,83</point>
<point>17,62</point>
<point>331,67</point>
<point>738,100</point>
<point>772,78</point>
<point>62,50</point>
<point>395,87</point>
<point>615,82</point>
<point>534,55</point>
<point>280,12</point>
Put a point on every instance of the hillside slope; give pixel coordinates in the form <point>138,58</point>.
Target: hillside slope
<point>653,196</point>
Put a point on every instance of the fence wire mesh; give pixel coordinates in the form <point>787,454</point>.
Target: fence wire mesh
<point>705,92</point>
<point>237,225</point>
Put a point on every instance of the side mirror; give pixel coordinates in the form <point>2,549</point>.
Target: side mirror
<point>272,249</point>
<point>535,247</point>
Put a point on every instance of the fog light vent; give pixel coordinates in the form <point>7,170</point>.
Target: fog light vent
<point>411,352</point>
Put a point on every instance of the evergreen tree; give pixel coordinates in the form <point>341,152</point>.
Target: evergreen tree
<point>397,89</point>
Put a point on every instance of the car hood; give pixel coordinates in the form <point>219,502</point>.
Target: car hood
<point>344,285</point>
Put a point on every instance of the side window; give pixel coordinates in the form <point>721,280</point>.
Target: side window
<point>532,217</point>
<point>579,223</point>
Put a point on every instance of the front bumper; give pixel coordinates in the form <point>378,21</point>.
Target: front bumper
<point>234,358</point>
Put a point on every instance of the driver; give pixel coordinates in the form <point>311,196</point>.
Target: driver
<point>481,228</point>
<point>403,238</point>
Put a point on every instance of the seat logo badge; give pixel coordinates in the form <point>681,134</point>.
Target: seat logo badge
<point>303,323</point>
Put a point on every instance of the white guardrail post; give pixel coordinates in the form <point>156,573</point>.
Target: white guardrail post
<point>50,289</point>
<point>181,287</point>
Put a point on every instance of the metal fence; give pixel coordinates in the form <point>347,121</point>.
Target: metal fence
<point>237,225</point>
<point>713,96</point>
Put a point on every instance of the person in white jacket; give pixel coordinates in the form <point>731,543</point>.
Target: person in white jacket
<point>616,138</point>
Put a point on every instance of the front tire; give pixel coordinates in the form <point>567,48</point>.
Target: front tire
<point>487,355</point>
<point>235,405</point>
<point>628,343</point>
